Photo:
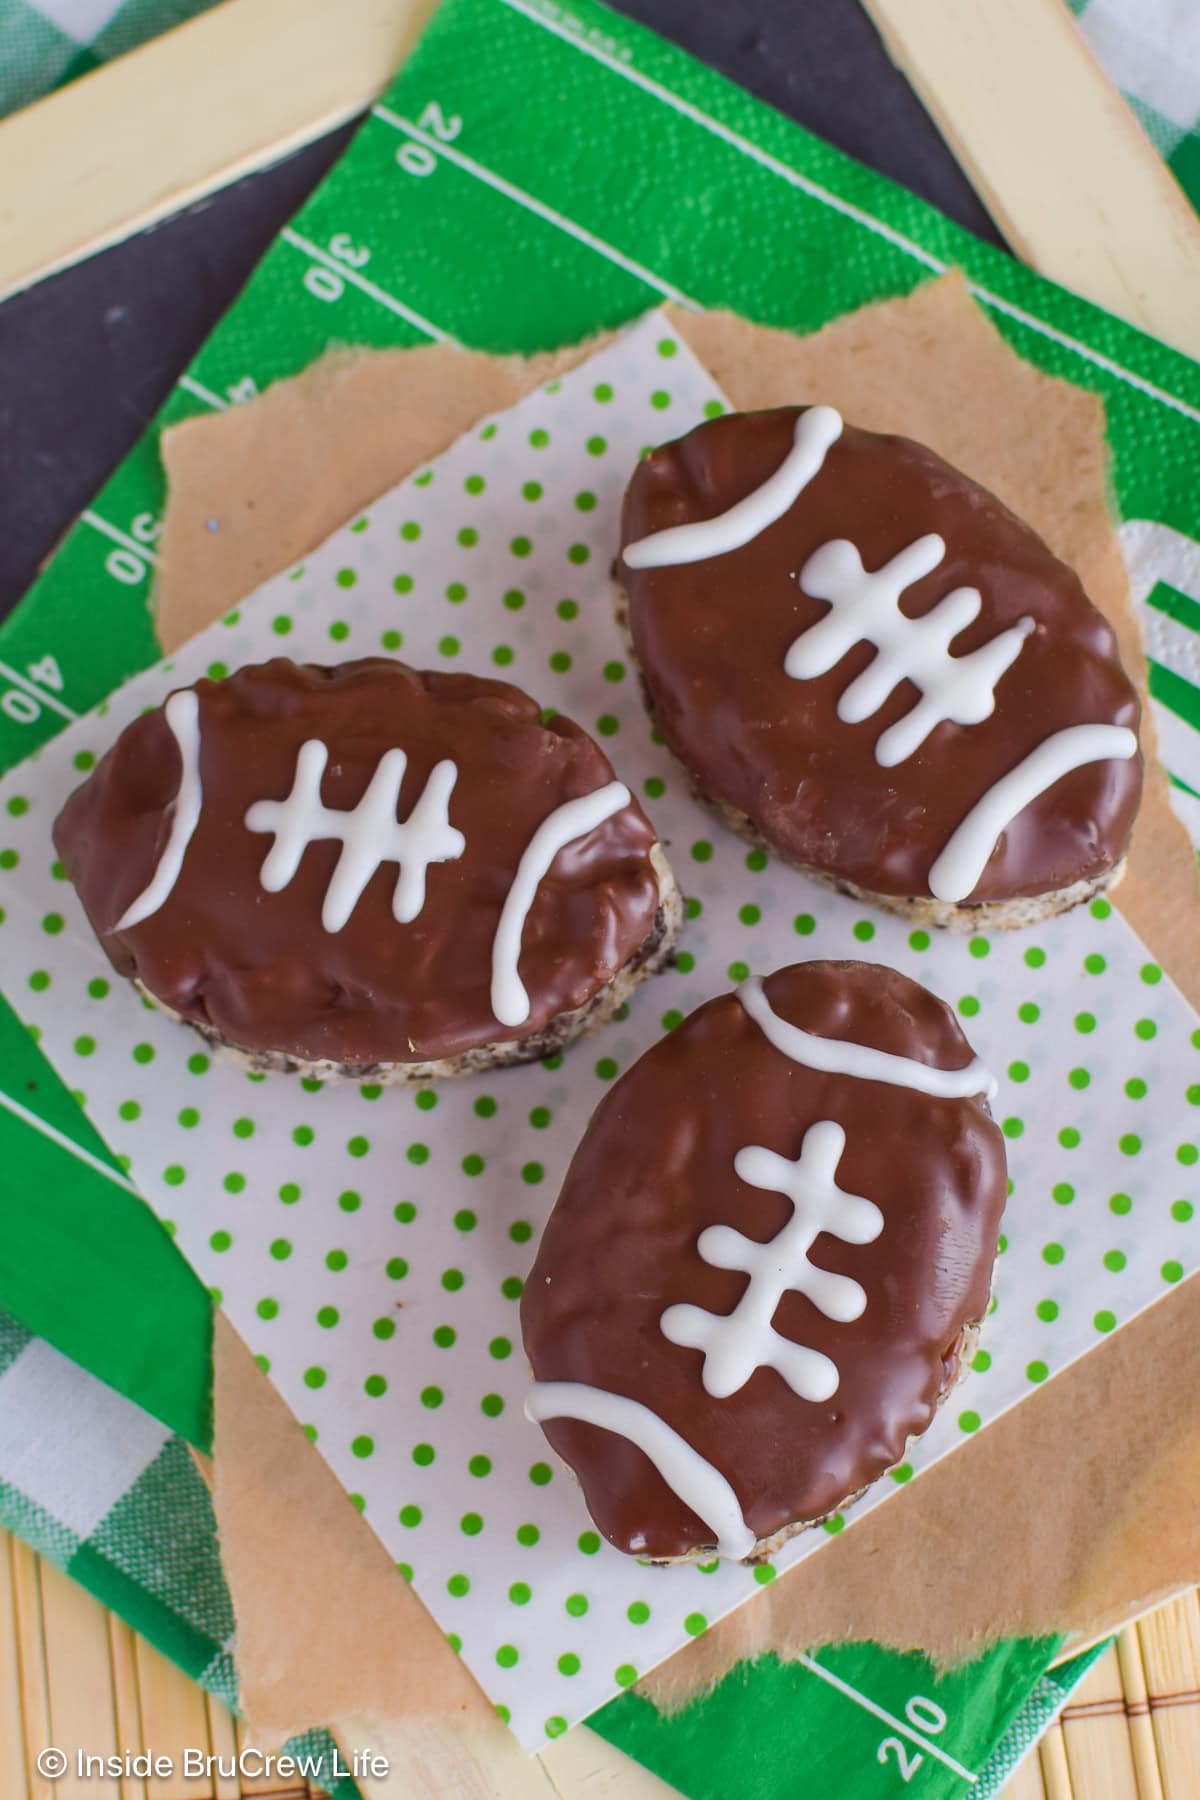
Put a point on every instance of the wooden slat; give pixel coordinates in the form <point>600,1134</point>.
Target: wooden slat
<point>1136,1694</point>
<point>173,1719</point>
<point>127,1704</point>
<point>1052,1760</point>
<point>222,1738</point>
<point>1026,1782</point>
<point>80,1682</point>
<point>12,1712</point>
<point>1054,153</point>
<point>1096,1736</point>
<point>1170,1647</point>
<point>31,1645</point>
<point>230,91</point>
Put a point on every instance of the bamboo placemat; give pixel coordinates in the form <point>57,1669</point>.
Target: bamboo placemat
<point>74,1675</point>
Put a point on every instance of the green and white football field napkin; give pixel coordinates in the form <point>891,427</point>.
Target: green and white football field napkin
<point>386,1308</point>
<point>1150,49</point>
<point>103,1491</point>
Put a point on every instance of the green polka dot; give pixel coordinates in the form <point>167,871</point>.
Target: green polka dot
<point>750,915</point>
<point>1135,1088</point>
<point>511,1287</point>
<point>423,1455</point>
<point>1146,1029</point>
<point>1129,1143</point>
<point>1114,1261</point>
<point>479,1466</point>
<point>1104,1321</point>
<point>637,1612</point>
<point>1013,1128</point>
<point>281,1249</point>
<point>1068,1137</point>
<point>448,646</point>
<point>391,640</point>
<point>568,1663</point>
<point>404,1212</point>
<point>738,971</point>
<point>1188,1155</point>
<point>555,1725</point>
<point>220,1240</point>
<point>918,940</point>
<point>576,1605</point>
<point>468,537</point>
<point>470,1524</point>
<point>432,1396</point>
<point>560,662</point>
<point>969,1421</point>
<point>978,946</point>
<point>695,1623</point>
<point>9,859</point>
<point>336,1261</point>
<point>418,1153</point>
<point>833,1524</point>
<point>902,1473</point>
<point>491,1406</point>
<point>444,1336</point>
<point>500,1348</point>
<point>521,546</point>
<point>1085,1022</point>
<point>452,1280</point>
<point>671,1019</point>
<point>532,1173</point>
<point>425,1099</point>
<point>1052,1253</point>
<point>1028,1013</point>
<point>327,1317</point>
<point>1035,958</point>
<point>384,1328</point>
<point>267,1309</point>
<point>1018,1071</point>
<point>362,1446</point>
<point>1063,1193</point>
<point>540,1473</point>
<point>303,1135</point>
<point>520,1231</point>
<point>624,1675</point>
<point>410,531</point>
<point>1172,1271</point>
<point>588,1542</point>
<point>1095,964</point>
<point>1120,1204</point>
<point>1182,1211</point>
<point>608,725</point>
<point>1079,1078</point>
<point>864,931</point>
<point>1151,974</point>
<point>410,1515</point>
<point>981,1362</point>
<point>1047,1311</point>
<point>968,1006</point>
<point>348,1202</point>
<point>234,1182</point>
<point>528,1535</point>
<point>520,1593</point>
<point>375,1386</point>
<point>130,1110</point>
<point>1036,1371</point>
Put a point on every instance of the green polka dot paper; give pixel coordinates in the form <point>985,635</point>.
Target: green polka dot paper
<point>370,1245</point>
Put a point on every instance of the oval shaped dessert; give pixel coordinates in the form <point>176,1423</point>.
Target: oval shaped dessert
<point>369,869</point>
<point>771,1248</point>
<point>867,663</point>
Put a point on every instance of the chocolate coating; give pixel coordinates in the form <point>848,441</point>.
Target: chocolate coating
<point>655,1168</point>
<point>711,638</point>
<point>258,968</point>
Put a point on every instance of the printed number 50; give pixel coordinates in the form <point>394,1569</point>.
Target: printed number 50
<point>419,159</point>
<point>923,1715</point>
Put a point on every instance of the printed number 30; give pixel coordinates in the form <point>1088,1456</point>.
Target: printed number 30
<point>925,1716</point>
<point>419,159</point>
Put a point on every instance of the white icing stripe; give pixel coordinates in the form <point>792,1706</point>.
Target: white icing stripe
<point>816,430</point>
<point>833,1056</point>
<point>182,713</point>
<point>736,1344</point>
<point>370,833</point>
<point>573,819</point>
<point>865,607</point>
<point>698,1484</point>
<point>965,856</point>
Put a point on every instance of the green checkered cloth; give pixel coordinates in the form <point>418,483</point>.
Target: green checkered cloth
<point>112,1497</point>
<point>1150,49</point>
<point>46,43</point>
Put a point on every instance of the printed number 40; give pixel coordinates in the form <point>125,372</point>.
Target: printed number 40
<point>925,1716</point>
<point>419,159</point>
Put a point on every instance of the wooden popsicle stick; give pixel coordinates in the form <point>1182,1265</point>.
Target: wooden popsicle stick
<point>1095,1734</point>
<point>12,1717</point>
<point>1025,1782</point>
<point>173,1719</point>
<point>222,1739</point>
<point>230,91</point>
<point>79,1678</point>
<point>1055,154</point>
<point>126,1699</point>
<point>35,1696</point>
<point>1137,1705</point>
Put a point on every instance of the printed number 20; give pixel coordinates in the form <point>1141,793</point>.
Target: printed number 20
<point>419,159</point>
<point>924,1715</point>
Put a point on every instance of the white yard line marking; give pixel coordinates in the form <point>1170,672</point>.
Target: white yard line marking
<point>38,693</point>
<point>118,537</point>
<point>65,1143</point>
<point>202,393</point>
<point>871,1706</point>
<point>533,205</point>
<point>813,189</point>
<point>345,273</point>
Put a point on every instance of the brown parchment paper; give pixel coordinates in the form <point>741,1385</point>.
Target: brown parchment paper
<point>1075,1510</point>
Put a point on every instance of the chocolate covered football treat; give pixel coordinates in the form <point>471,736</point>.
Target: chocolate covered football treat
<point>368,870</point>
<point>768,1261</point>
<point>870,666</point>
